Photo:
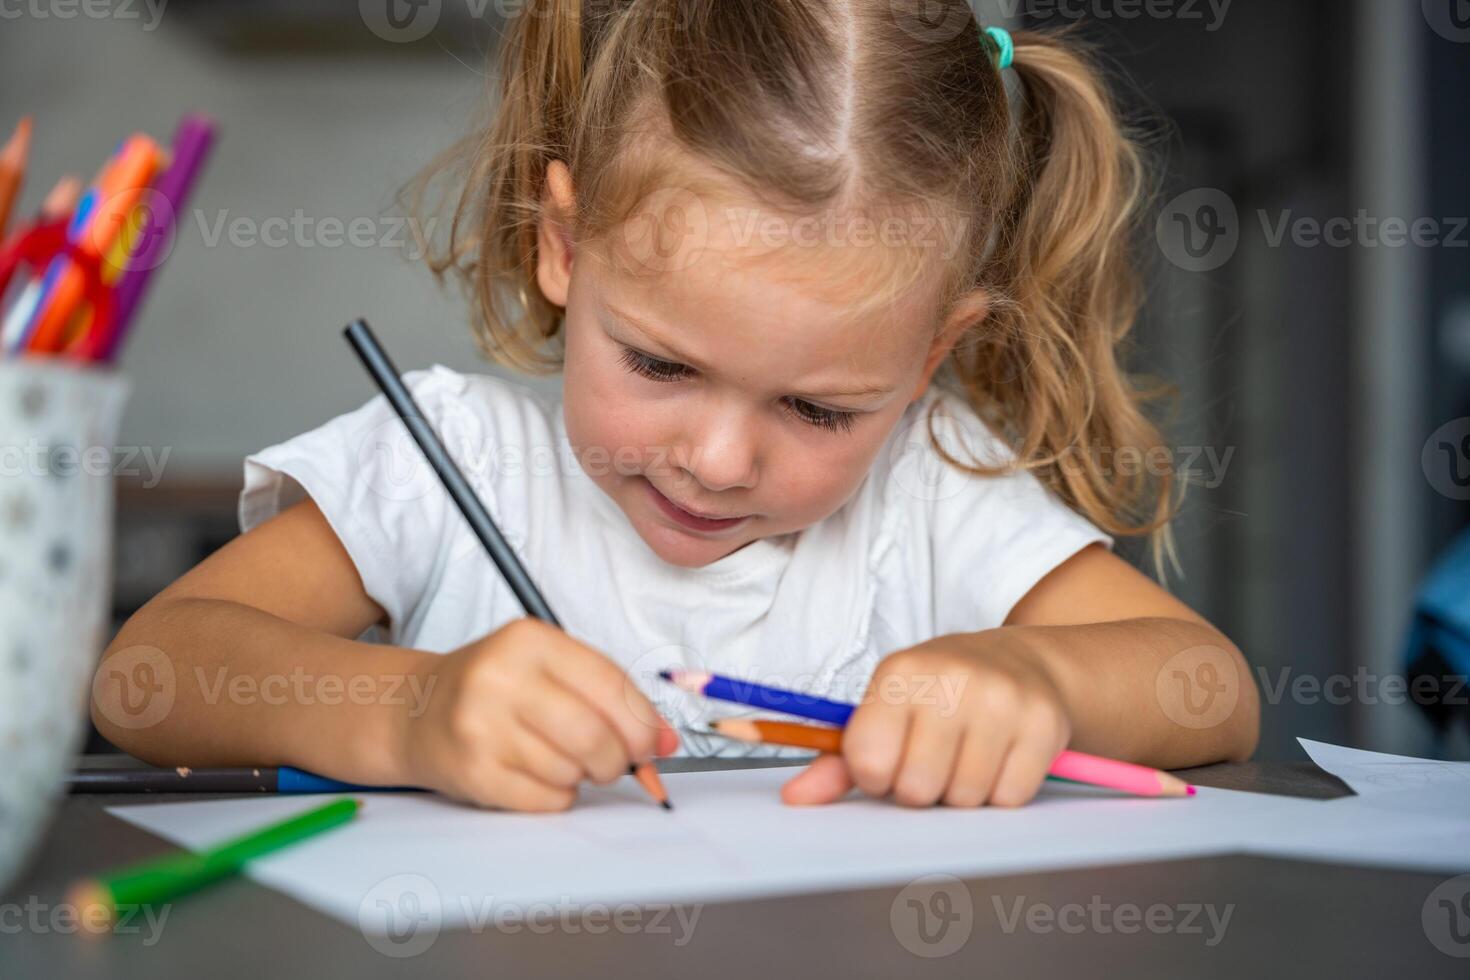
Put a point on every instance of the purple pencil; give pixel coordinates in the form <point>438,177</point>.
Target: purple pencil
<point>191,146</point>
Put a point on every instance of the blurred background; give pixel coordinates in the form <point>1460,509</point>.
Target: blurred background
<point>1309,282</point>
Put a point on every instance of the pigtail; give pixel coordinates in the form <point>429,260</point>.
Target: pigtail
<point>1065,291</point>
<point>500,169</point>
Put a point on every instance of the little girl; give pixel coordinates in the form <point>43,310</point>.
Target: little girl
<point>842,412</point>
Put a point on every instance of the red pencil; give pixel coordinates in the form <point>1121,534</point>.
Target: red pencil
<point>1075,766</point>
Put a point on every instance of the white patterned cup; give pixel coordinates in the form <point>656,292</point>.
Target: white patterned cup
<point>58,423</point>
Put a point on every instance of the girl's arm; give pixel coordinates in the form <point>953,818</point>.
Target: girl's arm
<point>236,653</point>
<point>1095,657</point>
<point>249,660</point>
<point>1143,676</point>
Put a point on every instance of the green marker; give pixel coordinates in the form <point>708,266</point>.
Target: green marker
<point>98,900</point>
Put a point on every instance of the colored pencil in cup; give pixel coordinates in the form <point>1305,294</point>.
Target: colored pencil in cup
<point>101,223</point>
<point>58,204</point>
<point>1077,767</point>
<point>191,147</point>
<point>13,169</point>
<point>99,900</point>
<point>376,360</point>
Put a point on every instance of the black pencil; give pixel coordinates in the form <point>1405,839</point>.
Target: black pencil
<point>381,367</point>
<point>185,779</point>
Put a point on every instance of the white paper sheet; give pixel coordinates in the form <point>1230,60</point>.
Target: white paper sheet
<point>730,836</point>
<point>1378,773</point>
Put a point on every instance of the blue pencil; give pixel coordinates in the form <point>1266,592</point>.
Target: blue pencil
<point>759,695</point>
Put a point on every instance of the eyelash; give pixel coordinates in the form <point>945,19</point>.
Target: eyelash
<point>656,369</point>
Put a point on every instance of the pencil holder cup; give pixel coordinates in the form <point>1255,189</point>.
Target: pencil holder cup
<point>58,423</point>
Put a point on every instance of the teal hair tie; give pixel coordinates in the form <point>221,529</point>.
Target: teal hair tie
<point>1006,48</point>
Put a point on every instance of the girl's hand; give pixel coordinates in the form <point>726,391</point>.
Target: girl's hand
<point>964,720</point>
<point>518,719</point>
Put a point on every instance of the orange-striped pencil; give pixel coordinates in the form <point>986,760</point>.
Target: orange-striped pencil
<point>13,169</point>
<point>119,190</point>
<point>647,776</point>
<point>1078,767</point>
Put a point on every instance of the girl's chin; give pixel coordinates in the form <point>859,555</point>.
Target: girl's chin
<point>682,549</point>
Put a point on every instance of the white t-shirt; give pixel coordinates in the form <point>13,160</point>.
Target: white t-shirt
<point>920,550</point>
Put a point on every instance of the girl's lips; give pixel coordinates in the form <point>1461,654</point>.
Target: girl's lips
<point>685,519</point>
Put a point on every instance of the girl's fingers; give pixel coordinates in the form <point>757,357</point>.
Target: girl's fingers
<point>977,768</point>
<point>532,754</point>
<point>668,739</point>
<point>825,780</point>
<point>1025,768</point>
<point>928,760</point>
<point>574,727</point>
<point>513,789</point>
<point>872,744</point>
<point>605,686</point>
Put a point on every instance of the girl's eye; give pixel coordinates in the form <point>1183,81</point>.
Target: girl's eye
<point>822,418</point>
<point>653,368</point>
<point>657,369</point>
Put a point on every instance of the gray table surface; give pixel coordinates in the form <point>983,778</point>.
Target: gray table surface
<point>1287,918</point>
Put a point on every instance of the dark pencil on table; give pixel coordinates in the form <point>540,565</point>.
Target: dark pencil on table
<point>378,364</point>
<point>282,780</point>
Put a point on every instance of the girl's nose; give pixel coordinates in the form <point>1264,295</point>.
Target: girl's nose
<point>721,450</point>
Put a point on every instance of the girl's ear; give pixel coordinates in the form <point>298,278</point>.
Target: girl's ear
<point>553,237</point>
<point>971,309</point>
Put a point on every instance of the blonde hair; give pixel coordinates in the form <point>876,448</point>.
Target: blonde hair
<point>814,105</point>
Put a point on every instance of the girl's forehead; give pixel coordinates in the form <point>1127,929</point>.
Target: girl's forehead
<point>726,257</point>
<point>764,319</point>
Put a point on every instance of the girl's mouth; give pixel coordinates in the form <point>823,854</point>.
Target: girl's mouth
<point>688,520</point>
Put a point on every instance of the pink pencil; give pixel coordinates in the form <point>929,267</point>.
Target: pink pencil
<point>1112,774</point>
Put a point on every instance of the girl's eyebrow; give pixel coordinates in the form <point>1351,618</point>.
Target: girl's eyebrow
<point>856,391</point>
<point>651,334</point>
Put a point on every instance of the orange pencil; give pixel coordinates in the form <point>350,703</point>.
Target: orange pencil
<point>1077,767</point>
<point>118,191</point>
<point>648,778</point>
<point>13,169</point>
